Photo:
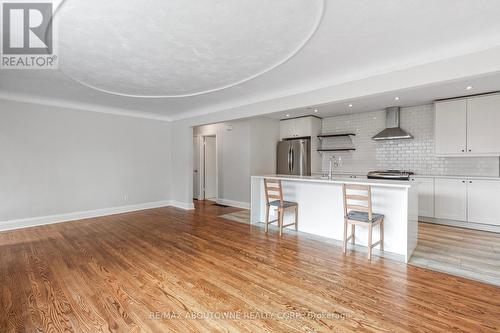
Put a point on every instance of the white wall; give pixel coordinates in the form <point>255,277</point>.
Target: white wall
<point>244,148</point>
<point>59,161</point>
<point>416,155</point>
<point>264,137</point>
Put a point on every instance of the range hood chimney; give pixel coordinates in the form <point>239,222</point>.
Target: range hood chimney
<point>392,131</point>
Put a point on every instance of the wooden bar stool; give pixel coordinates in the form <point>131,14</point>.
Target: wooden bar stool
<point>360,213</point>
<point>274,198</point>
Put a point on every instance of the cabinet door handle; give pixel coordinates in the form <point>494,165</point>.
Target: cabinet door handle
<point>470,150</point>
<point>463,181</point>
<point>463,150</point>
<point>470,182</point>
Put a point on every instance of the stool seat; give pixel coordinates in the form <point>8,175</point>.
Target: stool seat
<point>285,204</point>
<point>363,216</point>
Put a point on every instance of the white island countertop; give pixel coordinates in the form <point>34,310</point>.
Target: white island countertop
<point>341,179</point>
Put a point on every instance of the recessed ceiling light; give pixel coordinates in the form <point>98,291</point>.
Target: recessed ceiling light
<point>315,110</point>
<point>350,105</point>
<point>469,87</point>
<point>288,115</point>
<point>396,98</point>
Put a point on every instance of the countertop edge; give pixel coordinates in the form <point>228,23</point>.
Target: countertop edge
<point>429,176</point>
<point>372,182</point>
<point>459,177</point>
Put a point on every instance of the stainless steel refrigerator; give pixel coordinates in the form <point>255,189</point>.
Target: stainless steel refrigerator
<point>294,157</point>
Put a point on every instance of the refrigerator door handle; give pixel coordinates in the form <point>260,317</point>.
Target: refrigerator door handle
<point>302,153</point>
<point>293,156</point>
<point>289,156</point>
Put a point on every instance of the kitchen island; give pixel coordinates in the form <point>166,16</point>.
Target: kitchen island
<point>321,209</point>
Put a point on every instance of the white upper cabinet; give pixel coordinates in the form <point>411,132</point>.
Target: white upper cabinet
<point>468,126</point>
<point>303,126</point>
<point>300,127</point>
<point>484,201</point>
<point>451,199</point>
<point>451,127</point>
<point>483,125</point>
<point>287,128</point>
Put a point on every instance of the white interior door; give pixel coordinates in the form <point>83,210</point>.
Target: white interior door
<point>196,167</point>
<point>210,176</point>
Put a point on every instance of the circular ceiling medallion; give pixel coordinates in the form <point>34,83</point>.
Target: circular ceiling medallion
<point>178,48</point>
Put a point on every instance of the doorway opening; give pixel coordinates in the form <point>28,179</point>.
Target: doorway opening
<point>205,168</point>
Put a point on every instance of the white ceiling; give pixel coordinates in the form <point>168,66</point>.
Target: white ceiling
<point>354,40</point>
<point>403,98</point>
<point>180,48</point>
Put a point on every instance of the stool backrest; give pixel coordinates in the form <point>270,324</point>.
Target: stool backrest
<point>273,190</point>
<point>362,202</point>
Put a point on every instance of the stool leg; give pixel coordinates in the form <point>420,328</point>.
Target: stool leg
<point>296,218</point>
<point>370,229</point>
<point>353,234</point>
<point>267,217</point>
<point>280,221</point>
<point>382,235</point>
<point>344,242</point>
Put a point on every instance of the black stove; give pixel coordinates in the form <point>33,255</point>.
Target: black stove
<point>390,174</point>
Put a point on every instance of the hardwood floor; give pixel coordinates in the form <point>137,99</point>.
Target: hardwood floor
<point>469,253</point>
<point>165,269</point>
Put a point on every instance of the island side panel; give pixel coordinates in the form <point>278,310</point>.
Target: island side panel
<point>392,203</point>
<point>412,231</point>
<point>257,203</point>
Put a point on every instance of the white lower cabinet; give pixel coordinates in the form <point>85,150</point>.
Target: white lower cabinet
<point>475,201</point>
<point>484,201</point>
<point>451,199</point>
<point>425,197</point>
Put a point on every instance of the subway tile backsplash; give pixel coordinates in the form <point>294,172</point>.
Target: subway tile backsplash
<point>416,155</point>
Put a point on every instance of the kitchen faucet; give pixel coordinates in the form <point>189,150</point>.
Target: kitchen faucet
<point>330,170</point>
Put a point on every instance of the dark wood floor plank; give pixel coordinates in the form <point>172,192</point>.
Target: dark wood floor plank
<point>14,304</point>
<point>111,274</point>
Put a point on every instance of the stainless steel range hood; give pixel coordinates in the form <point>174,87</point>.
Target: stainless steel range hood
<point>392,131</point>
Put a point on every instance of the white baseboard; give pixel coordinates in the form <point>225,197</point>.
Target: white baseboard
<point>182,205</point>
<point>461,224</point>
<point>232,203</point>
<point>42,220</point>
